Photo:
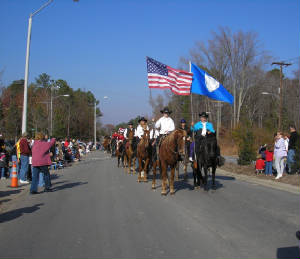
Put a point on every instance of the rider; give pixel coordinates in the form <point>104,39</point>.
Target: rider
<point>188,133</point>
<point>165,124</point>
<point>201,127</point>
<point>140,128</point>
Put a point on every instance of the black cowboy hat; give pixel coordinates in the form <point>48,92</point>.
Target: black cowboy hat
<point>130,123</point>
<point>142,119</point>
<point>166,110</point>
<point>203,114</point>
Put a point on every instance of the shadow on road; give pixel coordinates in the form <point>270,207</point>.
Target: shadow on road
<point>11,215</point>
<point>182,185</point>
<point>222,177</point>
<point>67,186</point>
<point>10,192</point>
<point>288,252</point>
<point>5,200</point>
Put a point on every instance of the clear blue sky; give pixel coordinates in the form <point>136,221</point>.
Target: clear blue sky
<point>101,45</point>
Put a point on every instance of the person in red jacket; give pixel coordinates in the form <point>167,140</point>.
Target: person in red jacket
<point>40,162</point>
<point>25,152</point>
<point>259,165</point>
<point>269,160</point>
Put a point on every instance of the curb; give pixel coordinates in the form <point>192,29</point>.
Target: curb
<point>275,185</point>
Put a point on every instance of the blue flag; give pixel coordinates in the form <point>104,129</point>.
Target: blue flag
<point>204,84</point>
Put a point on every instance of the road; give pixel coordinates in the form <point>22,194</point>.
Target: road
<point>97,211</point>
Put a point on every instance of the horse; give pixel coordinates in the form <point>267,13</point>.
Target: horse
<point>113,145</point>
<point>106,144</point>
<point>120,152</point>
<point>130,152</point>
<point>207,153</point>
<point>143,155</point>
<point>185,162</point>
<point>171,150</point>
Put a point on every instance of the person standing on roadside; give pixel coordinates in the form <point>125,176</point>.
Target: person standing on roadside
<point>279,153</point>
<point>294,138</point>
<point>40,162</point>
<point>25,152</point>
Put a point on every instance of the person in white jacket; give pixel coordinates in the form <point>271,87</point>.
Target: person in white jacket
<point>165,125</point>
<point>139,132</point>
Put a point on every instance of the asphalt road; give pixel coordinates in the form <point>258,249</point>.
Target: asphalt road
<point>97,211</point>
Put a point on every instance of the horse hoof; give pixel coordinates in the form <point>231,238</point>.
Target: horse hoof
<point>164,193</point>
<point>153,187</point>
<point>198,187</point>
<point>172,192</point>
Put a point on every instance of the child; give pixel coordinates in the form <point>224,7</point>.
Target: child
<point>269,160</point>
<point>259,165</point>
<point>2,162</point>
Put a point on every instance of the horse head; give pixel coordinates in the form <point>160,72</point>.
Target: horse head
<point>146,138</point>
<point>180,137</point>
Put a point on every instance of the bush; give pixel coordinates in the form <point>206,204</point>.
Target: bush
<point>245,139</point>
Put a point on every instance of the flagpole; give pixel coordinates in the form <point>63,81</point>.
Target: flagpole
<point>192,111</point>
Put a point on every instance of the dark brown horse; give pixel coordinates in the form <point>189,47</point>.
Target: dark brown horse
<point>185,162</point>
<point>120,152</point>
<point>130,153</point>
<point>170,150</point>
<point>144,156</point>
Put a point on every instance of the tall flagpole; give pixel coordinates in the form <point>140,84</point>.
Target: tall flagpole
<point>192,111</point>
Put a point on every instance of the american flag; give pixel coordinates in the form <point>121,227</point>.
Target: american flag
<point>164,77</point>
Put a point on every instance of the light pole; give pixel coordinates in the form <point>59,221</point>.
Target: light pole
<point>279,108</point>
<point>24,115</point>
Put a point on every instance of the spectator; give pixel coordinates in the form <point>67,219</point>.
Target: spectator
<point>40,162</point>
<point>294,138</point>
<point>279,153</point>
<point>25,152</point>
<point>262,151</point>
<point>3,164</point>
<point>259,165</point>
<point>269,160</point>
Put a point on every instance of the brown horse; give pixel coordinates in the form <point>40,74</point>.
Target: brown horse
<point>144,155</point>
<point>106,144</point>
<point>130,153</point>
<point>170,150</point>
<point>120,153</point>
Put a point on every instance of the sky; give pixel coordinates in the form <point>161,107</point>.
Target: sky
<point>101,45</point>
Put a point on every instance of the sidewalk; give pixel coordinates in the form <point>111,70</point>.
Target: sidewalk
<point>268,183</point>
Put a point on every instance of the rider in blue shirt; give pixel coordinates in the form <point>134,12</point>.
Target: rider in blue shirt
<point>203,126</point>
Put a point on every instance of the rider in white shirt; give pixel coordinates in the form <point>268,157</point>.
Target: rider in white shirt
<point>139,132</point>
<point>165,123</point>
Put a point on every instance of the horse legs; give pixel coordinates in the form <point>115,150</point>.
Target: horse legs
<point>133,165</point>
<point>205,178</point>
<point>164,178</point>
<point>118,161</point>
<point>140,169</point>
<point>172,180</point>
<point>177,171</point>
<point>146,170</point>
<point>185,172</point>
<point>213,176</point>
<point>154,165</point>
<point>129,164</point>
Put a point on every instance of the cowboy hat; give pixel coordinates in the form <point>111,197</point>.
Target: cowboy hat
<point>203,114</point>
<point>130,123</point>
<point>166,110</point>
<point>183,121</point>
<point>142,119</point>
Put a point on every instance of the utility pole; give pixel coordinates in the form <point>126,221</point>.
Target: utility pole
<point>281,64</point>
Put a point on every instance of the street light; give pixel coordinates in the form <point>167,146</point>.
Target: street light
<point>24,115</point>
<point>279,108</point>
